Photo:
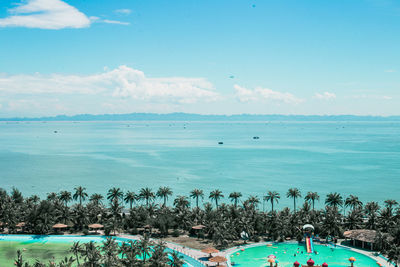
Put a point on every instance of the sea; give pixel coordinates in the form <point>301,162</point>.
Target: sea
<point>353,157</point>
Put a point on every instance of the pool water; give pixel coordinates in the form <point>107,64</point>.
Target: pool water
<point>288,253</point>
<point>49,248</point>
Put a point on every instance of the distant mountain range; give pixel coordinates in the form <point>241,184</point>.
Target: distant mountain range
<point>199,117</point>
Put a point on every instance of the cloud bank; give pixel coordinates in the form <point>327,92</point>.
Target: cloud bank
<point>122,82</point>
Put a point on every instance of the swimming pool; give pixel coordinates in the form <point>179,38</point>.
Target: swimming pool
<point>48,247</point>
<point>288,253</point>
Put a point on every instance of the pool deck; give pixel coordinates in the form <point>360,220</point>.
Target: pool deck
<point>230,251</point>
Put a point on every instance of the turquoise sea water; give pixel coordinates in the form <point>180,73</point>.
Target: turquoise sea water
<point>361,158</point>
<point>284,253</point>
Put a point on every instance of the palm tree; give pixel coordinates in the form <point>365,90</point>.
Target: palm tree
<point>144,246</point>
<point>293,193</point>
<point>164,192</point>
<point>272,196</point>
<point>390,203</point>
<point>371,209</point>
<point>96,198</point>
<point>80,194</point>
<point>76,249</point>
<point>253,201</point>
<point>175,260</point>
<point>196,194</point>
<point>312,197</point>
<point>334,200</point>
<point>353,202</point>
<point>216,195</point>
<point>114,194</point>
<point>234,197</point>
<point>65,197</point>
<point>130,197</point>
<point>181,202</point>
<point>146,194</point>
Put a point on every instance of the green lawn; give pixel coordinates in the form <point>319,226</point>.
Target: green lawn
<point>33,251</point>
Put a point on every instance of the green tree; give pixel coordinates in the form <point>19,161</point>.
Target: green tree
<point>164,192</point>
<point>293,193</point>
<point>146,194</point>
<point>234,197</point>
<point>115,194</point>
<point>334,200</point>
<point>216,195</point>
<point>272,197</point>
<point>130,197</point>
<point>196,194</point>
<point>312,197</point>
<point>80,193</point>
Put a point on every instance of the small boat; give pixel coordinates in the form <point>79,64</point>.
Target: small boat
<point>55,132</point>
<point>256,137</point>
<point>220,143</point>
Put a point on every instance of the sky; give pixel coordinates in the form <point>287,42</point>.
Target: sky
<point>208,57</point>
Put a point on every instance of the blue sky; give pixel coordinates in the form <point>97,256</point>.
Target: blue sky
<point>209,57</point>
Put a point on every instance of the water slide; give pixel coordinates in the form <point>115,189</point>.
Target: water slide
<point>309,244</point>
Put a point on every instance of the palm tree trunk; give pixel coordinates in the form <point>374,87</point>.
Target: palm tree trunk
<point>294,204</point>
<point>165,201</point>
<point>197,202</point>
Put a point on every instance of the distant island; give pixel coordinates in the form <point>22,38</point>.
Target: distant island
<point>200,117</point>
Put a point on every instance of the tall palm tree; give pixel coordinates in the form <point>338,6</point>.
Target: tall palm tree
<point>293,193</point>
<point>272,196</point>
<point>312,197</point>
<point>146,194</point>
<point>334,200</point>
<point>234,197</point>
<point>196,194</point>
<point>114,194</point>
<point>353,202</point>
<point>80,193</point>
<point>130,197</point>
<point>216,195</point>
<point>164,192</point>
<point>65,197</point>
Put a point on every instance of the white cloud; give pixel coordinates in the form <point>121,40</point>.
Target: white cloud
<point>122,82</point>
<point>378,97</point>
<point>50,14</point>
<point>390,71</point>
<point>115,22</point>
<point>108,21</point>
<point>325,96</point>
<point>123,11</point>
<point>262,94</point>
<point>45,14</point>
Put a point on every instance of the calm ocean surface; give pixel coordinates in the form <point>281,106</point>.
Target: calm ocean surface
<point>361,158</point>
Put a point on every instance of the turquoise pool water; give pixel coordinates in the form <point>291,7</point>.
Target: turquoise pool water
<point>288,253</point>
<point>53,239</point>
